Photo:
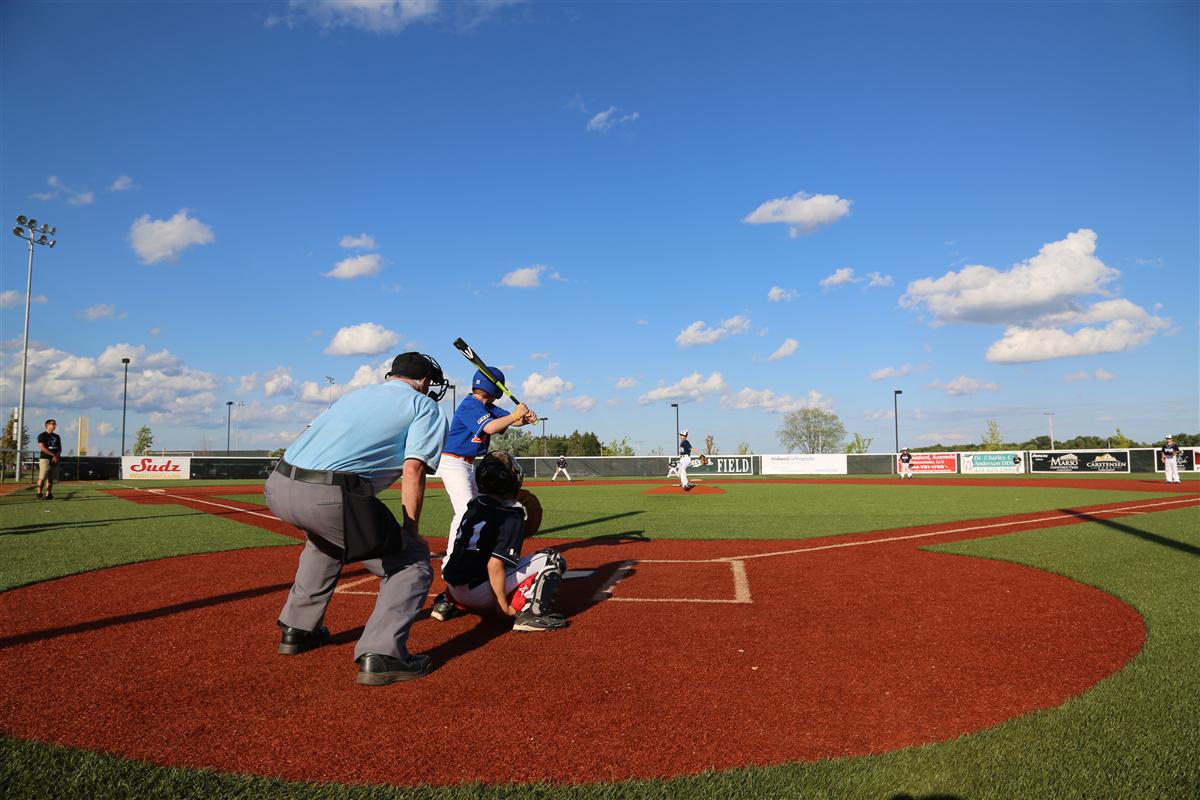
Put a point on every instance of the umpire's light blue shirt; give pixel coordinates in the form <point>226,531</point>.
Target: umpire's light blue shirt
<point>371,432</point>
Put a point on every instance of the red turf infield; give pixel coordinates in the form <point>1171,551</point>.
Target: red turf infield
<point>855,649</point>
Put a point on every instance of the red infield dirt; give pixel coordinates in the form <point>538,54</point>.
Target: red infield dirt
<point>759,652</point>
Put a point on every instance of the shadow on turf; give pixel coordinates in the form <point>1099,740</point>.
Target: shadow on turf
<point>560,528</point>
<point>1132,531</point>
<point>39,527</point>
<point>906,796</point>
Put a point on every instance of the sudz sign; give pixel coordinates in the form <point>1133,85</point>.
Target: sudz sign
<point>1079,461</point>
<point>155,468</point>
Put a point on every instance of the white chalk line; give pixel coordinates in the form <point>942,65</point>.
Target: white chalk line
<point>162,493</point>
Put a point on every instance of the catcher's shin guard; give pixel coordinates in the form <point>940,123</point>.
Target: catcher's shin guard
<point>545,588</point>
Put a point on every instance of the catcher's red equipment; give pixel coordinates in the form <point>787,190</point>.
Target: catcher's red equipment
<point>533,511</point>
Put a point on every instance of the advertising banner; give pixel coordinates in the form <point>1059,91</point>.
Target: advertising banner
<point>1186,460</point>
<point>156,468</point>
<point>1010,463</point>
<point>805,464</point>
<point>1079,461</point>
<point>931,462</point>
<point>720,465</point>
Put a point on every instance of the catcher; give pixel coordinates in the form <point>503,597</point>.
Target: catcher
<point>485,569</point>
<point>685,460</point>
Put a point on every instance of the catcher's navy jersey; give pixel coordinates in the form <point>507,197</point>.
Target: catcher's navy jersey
<point>466,436</point>
<point>490,528</point>
<point>685,448</point>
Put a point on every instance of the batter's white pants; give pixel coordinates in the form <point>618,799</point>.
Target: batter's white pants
<point>518,585</point>
<point>458,477</point>
<point>684,463</point>
<point>563,470</point>
<point>1171,466</point>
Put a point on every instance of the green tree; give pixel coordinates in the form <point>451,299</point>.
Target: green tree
<point>992,440</point>
<point>617,448</point>
<point>1120,440</point>
<point>710,445</point>
<point>812,430</point>
<point>743,449</point>
<point>517,442</point>
<point>861,444</point>
<point>276,453</point>
<point>143,442</point>
<point>8,444</point>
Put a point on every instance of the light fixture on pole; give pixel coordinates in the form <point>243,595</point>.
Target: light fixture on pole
<point>896,414</point>
<point>544,435</point>
<point>28,230</point>
<point>124,396</point>
<point>239,404</point>
<point>453,396</point>
<point>676,437</point>
<point>329,381</point>
<point>228,419</point>
<point>1050,417</point>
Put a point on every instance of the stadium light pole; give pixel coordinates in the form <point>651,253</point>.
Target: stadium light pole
<point>896,414</point>
<point>675,438</point>
<point>329,381</point>
<point>239,404</point>
<point>544,435</point>
<point>28,230</point>
<point>124,397</point>
<point>228,419</point>
<point>1050,417</point>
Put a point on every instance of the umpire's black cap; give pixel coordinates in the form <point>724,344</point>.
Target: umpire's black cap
<point>416,366</point>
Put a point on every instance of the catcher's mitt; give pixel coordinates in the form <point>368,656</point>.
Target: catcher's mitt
<point>533,511</point>
<point>703,460</point>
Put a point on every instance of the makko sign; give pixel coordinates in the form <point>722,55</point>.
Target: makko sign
<point>155,468</point>
<point>1079,461</point>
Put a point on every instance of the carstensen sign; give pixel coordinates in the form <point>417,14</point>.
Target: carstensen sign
<point>155,468</point>
<point>1079,461</point>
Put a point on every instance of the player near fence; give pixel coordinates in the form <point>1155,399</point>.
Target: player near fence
<point>485,571</point>
<point>905,464</point>
<point>561,466</point>
<point>49,453</point>
<point>476,420</point>
<point>1169,454</point>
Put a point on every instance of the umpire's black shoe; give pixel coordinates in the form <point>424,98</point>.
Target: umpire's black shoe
<point>377,670</point>
<point>295,641</point>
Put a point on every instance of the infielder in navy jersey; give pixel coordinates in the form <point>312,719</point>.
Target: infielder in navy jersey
<point>1170,459</point>
<point>561,466</point>
<point>475,421</point>
<point>485,570</point>
<point>905,464</point>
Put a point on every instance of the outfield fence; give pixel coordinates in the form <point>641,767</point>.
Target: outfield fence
<point>200,467</point>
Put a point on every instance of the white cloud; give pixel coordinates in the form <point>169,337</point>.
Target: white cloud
<point>1104,375</point>
<point>74,196</point>
<point>100,311</point>
<point>1040,343</point>
<point>786,349</point>
<point>364,241</point>
<point>582,403</point>
<point>105,428</point>
<point>1077,376</point>
<point>892,372</point>
<point>323,394</point>
<point>609,119</point>
<point>163,240</point>
<point>356,267</point>
<point>368,338</point>
<point>275,382</point>
<point>843,275</point>
<point>1044,284</point>
<point>693,387</point>
<point>778,294</point>
<point>773,403</point>
<point>123,183</point>
<point>698,334</point>
<point>877,279</point>
<point>155,331</point>
<point>525,277</point>
<point>803,213</point>
<point>626,383</point>
<point>11,298</point>
<point>878,415</point>
<point>539,356</point>
<point>962,385</point>
<point>538,386</point>
<point>82,199</point>
<point>376,16</point>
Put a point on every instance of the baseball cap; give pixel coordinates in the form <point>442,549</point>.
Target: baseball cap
<point>683,432</point>
<point>481,381</point>
<point>1169,436</point>
<point>414,365</point>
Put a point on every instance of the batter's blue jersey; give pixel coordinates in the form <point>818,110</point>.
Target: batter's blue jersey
<point>467,438</point>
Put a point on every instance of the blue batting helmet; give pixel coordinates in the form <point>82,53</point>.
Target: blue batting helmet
<point>481,381</point>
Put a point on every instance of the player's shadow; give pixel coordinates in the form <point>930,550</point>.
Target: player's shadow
<point>39,527</point>
<point>593,521</point>
<point>1132,531</point>
<point>936,796</point>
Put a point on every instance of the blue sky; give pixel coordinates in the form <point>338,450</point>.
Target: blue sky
<point>744,208</point>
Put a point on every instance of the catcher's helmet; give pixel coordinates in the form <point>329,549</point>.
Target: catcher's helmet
<point>481,381</point>
<point>417,366</point>
<point>499,474</point>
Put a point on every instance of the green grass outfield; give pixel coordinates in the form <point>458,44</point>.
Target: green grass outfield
<point>1133,736</point>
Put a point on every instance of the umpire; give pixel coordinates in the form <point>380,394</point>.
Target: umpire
<point>326,485</point>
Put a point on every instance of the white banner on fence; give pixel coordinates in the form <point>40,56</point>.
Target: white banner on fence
<point>155,468</point>
<point>805,464</point>
<point>1011,463</point>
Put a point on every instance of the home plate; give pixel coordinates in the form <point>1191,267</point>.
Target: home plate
<point>577,573</point>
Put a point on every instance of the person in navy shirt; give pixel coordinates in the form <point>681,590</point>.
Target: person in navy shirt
<point>685,461</point>
<point>475,421</point>
<point>1170,459</point>
<point>49,452</point>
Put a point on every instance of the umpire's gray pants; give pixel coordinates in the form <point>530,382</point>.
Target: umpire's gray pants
<point>405,576</point>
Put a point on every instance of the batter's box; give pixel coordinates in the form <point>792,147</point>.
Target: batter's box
<point>668,581</point>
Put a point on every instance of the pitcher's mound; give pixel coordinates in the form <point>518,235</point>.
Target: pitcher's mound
<point>698,489</point>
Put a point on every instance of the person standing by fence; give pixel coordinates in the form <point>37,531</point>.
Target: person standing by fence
<point>49,452</point>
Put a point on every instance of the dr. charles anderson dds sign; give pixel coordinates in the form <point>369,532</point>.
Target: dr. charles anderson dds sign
<point>155,468</point>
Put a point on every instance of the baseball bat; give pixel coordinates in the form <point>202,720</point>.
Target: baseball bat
<point>470,355</point>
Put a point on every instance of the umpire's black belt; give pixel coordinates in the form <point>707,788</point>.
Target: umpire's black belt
<point>322,476</point>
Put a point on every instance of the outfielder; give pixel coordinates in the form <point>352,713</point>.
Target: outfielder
<point>905,464</point>
<point>475,421</point>
<point>1170,459</point>
<point>486,570</point>
<point>561,466</point>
